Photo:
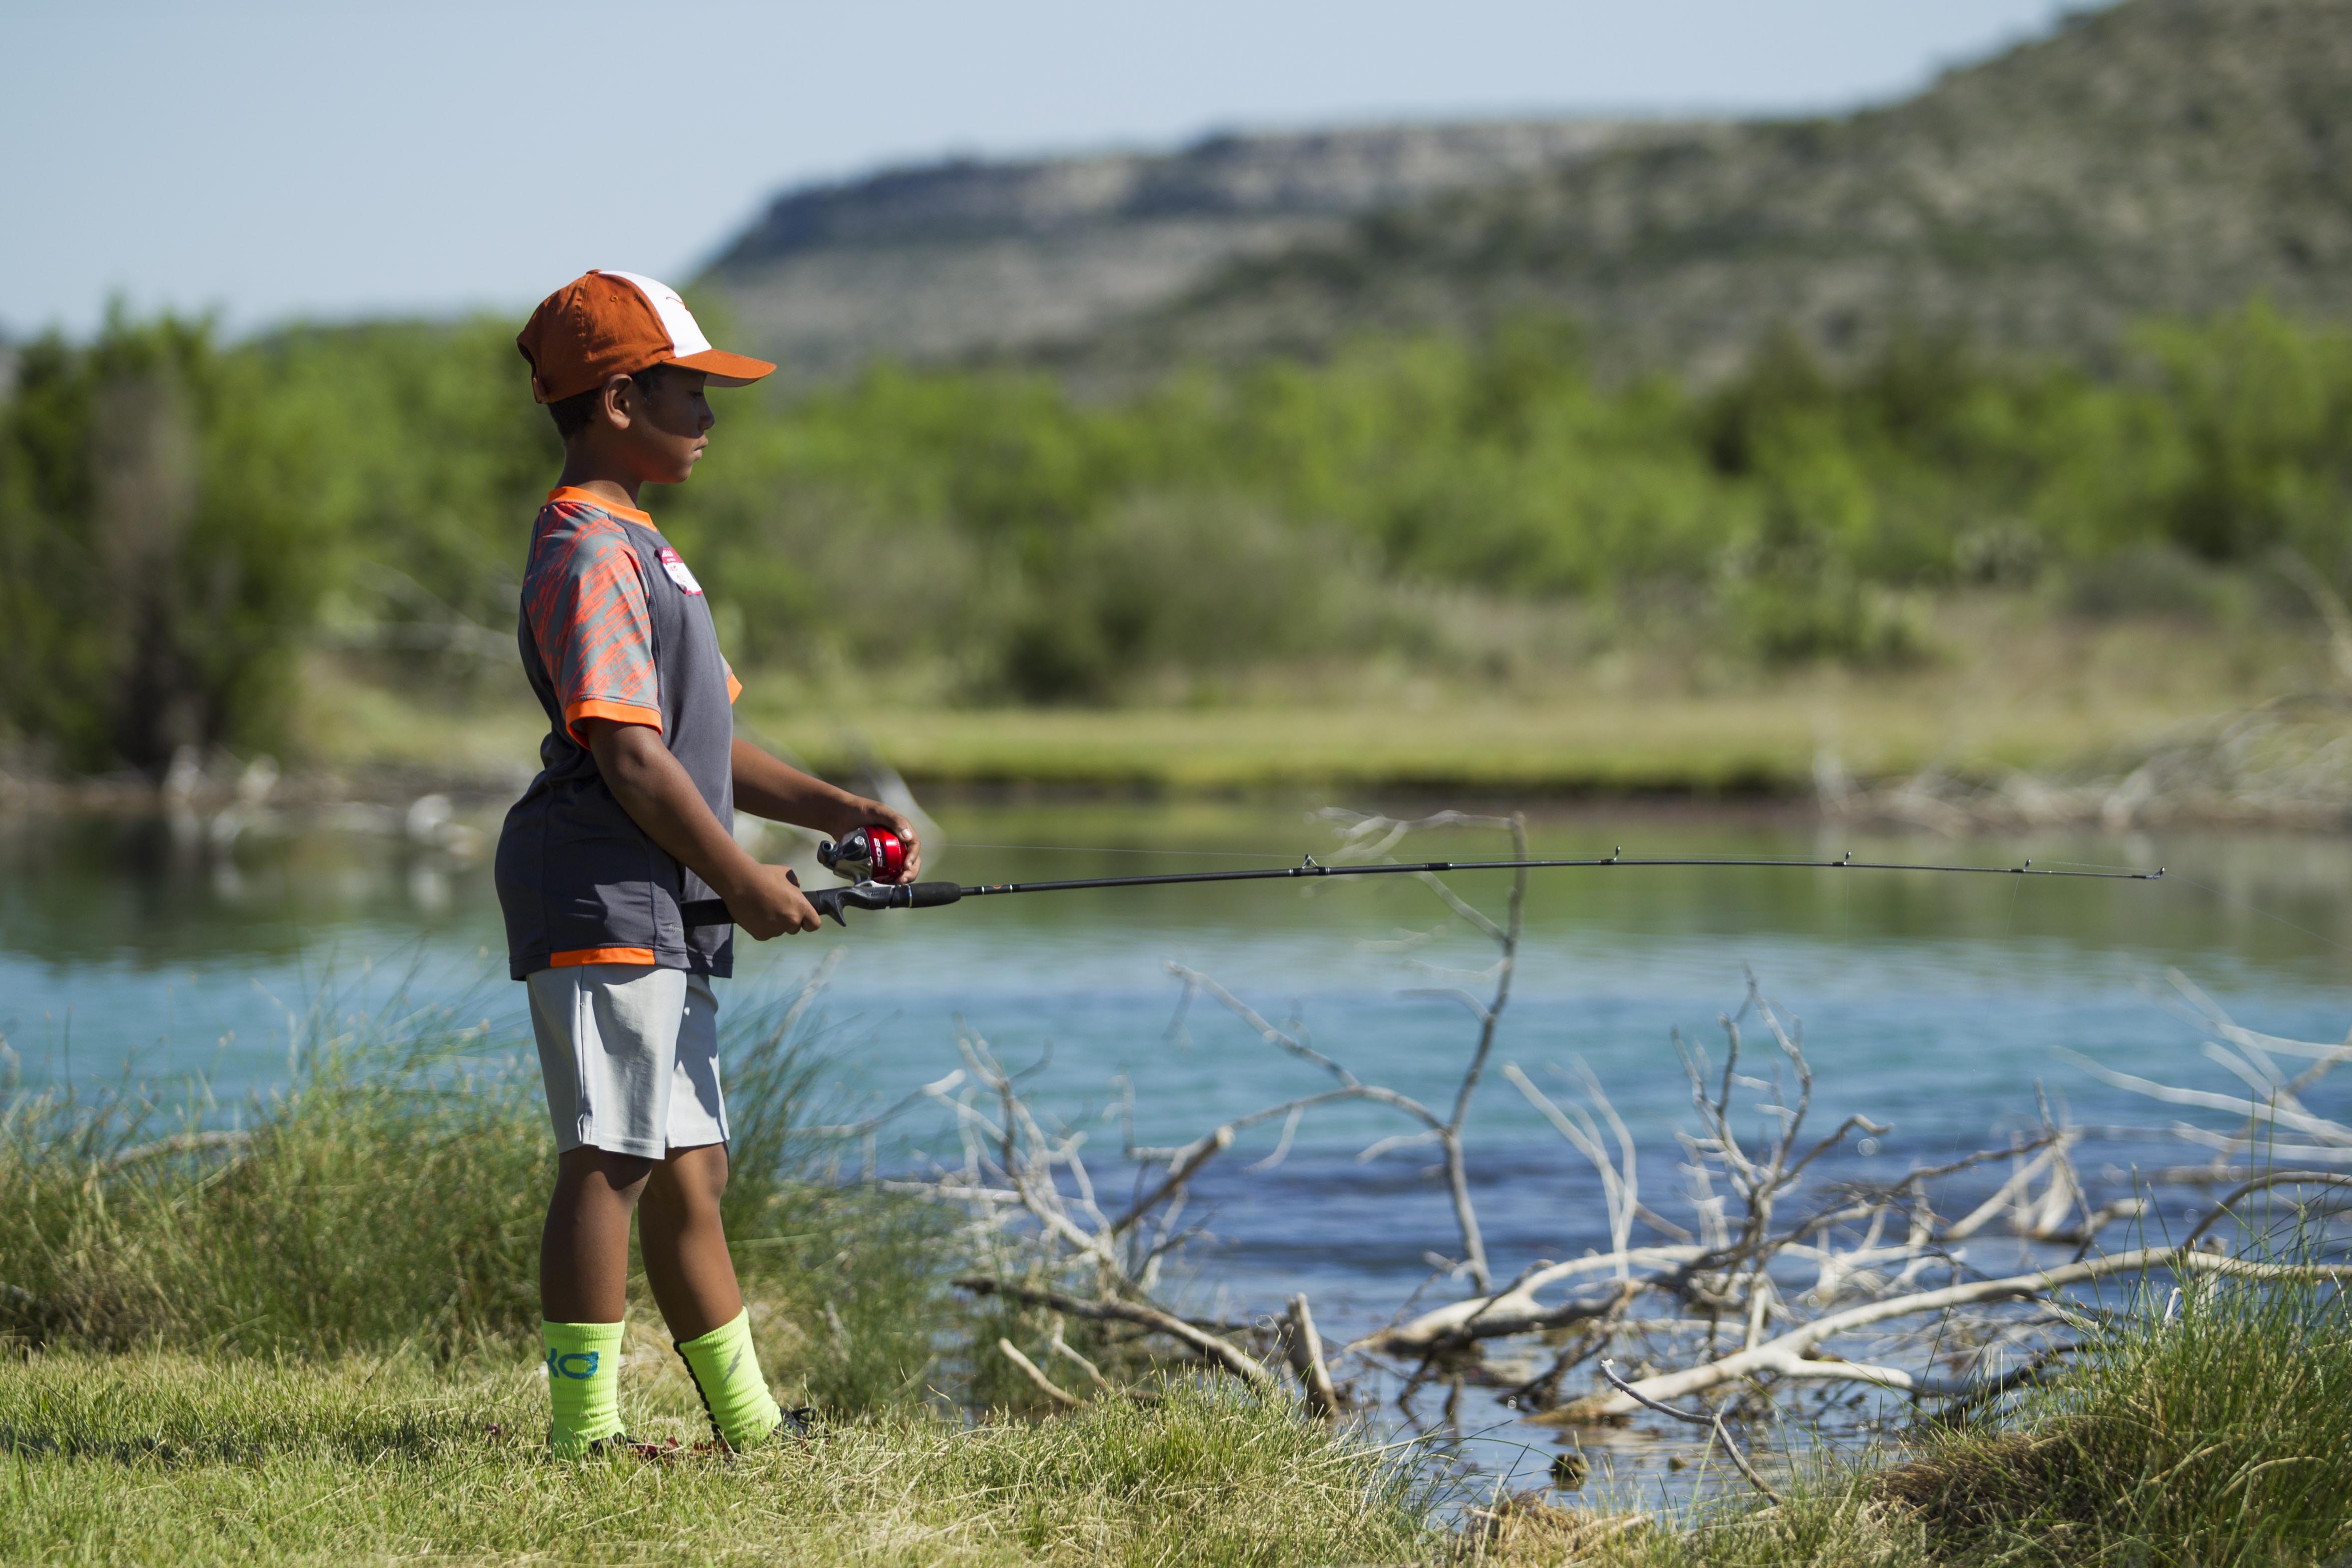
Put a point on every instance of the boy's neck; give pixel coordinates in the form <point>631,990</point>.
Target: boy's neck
<point>582,472</point>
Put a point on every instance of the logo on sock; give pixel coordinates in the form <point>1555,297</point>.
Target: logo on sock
<point>578,1365</point>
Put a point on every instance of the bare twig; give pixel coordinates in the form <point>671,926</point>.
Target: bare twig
<point>1788,1355</point>
<point>1710,1418</point>
<point>1240,1363</point>
<point>1030,1370</point>
<point>1306,1348</point>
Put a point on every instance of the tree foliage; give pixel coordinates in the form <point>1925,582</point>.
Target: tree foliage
<point>178,518</point>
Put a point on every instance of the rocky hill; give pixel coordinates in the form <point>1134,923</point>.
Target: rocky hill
<point>958,258</point>
<point>2165,156</point>
<point>2159,156</point>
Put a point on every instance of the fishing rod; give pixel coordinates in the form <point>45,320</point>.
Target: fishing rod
<point>872,853</point>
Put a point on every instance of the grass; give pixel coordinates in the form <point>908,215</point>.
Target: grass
<point>2013,686</point>
<point>391,1198</point>
<point>2220,1440</point>
<point>165,1457</point>
<point>318,1343</point>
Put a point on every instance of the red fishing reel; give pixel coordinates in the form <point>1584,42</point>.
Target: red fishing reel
<point>865,855</point>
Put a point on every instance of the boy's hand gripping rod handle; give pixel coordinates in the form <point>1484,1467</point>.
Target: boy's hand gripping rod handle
<point>832,900</point>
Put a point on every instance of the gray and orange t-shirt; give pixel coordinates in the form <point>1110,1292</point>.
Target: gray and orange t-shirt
<point>613,627</point>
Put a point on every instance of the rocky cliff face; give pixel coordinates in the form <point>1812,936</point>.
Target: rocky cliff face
<point>963,257</point>
<point>2162,156</point>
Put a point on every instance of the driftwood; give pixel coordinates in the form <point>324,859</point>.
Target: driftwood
<point>1708,1418</point>
<point>179,1143</point>
<point>1793,1354</point>
<point>1238,1362</point>
<point>1030,1370</point>
<point>1764,1266</point>
<point>1305,1351</point>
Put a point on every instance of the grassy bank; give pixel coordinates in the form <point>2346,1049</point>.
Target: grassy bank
<point>391,1199</point>
<point>2217,1438</point>
<point>160,1457</point>
<point>314,1339</point>
<point>2015,686</point>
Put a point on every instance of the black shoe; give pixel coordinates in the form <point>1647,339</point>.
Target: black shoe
<point>799,1423</point>
<point>621,1444</point>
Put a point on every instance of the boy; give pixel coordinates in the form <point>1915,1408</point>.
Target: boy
<point>633,813</point>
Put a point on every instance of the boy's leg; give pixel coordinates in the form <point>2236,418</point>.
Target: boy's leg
<point>584,1252</point>
<point>685,1243</point>
<point>694,1280</point>
<point>583,1265</point>
<point>606,1047</point>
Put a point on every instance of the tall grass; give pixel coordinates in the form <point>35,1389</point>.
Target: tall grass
<point>2213,1431</point>
<point>392,1197</point>
<point>315,1341</point>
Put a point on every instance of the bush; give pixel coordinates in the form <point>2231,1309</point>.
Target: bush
<point>157,567</point>
<point>392,1198</point>
<point>177,519</point>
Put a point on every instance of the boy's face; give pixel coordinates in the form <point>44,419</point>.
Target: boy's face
<point>658,428</point>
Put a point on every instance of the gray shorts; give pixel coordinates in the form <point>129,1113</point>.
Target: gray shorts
<point>630,1056</point>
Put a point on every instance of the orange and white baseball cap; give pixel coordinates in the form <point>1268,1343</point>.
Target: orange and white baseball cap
<point>602,325</point>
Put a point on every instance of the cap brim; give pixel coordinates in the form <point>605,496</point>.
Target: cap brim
<point>725,369</point>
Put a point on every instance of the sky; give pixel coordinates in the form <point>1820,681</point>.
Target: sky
<point>328,161</point>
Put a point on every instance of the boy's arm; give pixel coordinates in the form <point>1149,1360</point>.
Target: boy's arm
<point>767,787</point>
<point>660,797</point>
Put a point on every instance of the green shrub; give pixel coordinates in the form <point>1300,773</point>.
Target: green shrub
<point>393,1197</point>
<point>159,560</point>
<point>177,519</point>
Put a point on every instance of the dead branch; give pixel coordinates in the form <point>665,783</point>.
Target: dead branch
<point>178,1144</point>
<point>1238,1362</point>
<point>1029,1369</point>
<point>1793,1353</point>
<point>1061,1347</point>
<point>1713,1418</point>
<point>1306,1349</point>
<point>2261,1184</point>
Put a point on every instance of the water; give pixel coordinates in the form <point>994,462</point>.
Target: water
<point>148,953</point>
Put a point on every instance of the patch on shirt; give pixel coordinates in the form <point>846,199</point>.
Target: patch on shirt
<point>678,572</point>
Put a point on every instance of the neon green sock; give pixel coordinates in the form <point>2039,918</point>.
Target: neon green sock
<point>584,1385</point>
<point>726,1370</point>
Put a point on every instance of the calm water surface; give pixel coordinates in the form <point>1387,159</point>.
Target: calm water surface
<point>151,953</point>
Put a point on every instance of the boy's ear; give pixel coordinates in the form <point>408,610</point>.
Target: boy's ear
<point>616,401</point>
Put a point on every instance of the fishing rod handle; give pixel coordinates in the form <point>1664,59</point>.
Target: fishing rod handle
<point>834,901</point>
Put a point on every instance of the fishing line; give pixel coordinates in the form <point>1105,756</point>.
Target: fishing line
<point>2256,908</point>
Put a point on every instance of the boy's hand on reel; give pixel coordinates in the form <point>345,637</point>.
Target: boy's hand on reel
<point>878,845</point>
<point>905,830</point>
<point>768,902</point>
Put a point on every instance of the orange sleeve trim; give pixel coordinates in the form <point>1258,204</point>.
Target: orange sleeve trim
<point>734,687</point>
<point>579,955</point>
<point>618,712</point>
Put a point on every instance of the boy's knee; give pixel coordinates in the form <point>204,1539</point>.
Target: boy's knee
<point>696,1175</point>
<point>624,1173</point>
